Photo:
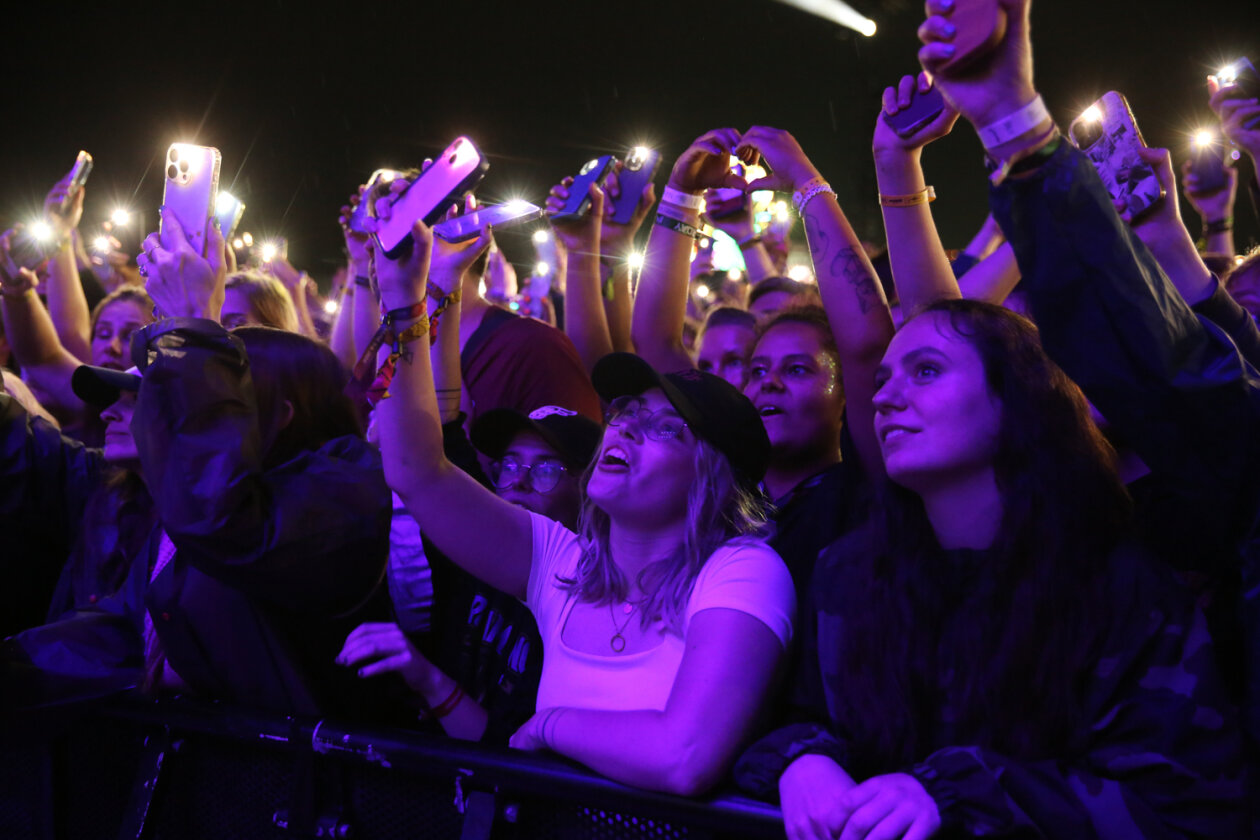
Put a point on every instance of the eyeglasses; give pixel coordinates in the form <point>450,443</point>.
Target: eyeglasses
<point>543,476</point>
<point>662,424</point>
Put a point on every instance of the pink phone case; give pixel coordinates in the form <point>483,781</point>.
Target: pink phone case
<point>192,188</point>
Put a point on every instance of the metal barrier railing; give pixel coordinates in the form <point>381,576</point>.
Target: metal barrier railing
<point>135,768</point>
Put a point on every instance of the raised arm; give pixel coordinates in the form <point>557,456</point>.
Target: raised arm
<point>920,267</point>
<point>734,218</point>
<point>46,364</point>
<point>616,248</point>
<point>851,293</point>
<point>660,304</point>
<point>67,305</point>
<point>585,323</point>
<point>993,278</point>
<point>480,532</point>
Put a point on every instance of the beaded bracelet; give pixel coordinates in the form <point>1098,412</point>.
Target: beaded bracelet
<point>813,193</point>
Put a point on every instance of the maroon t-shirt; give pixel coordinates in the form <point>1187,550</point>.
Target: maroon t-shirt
<point>524,364</point>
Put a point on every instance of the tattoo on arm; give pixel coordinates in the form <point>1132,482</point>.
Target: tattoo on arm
<point>848,263</point>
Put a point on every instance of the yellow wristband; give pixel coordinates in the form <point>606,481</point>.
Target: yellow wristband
<point>925,196</point>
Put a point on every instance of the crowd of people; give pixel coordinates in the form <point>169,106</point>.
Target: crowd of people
<point>929,544</point>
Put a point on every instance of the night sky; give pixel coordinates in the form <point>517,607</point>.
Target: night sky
<point>305,100</point>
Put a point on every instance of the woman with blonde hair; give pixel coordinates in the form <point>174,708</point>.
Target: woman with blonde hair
<point>257,300</point>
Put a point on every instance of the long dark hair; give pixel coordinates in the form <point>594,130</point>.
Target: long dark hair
<point>286,366</point>
<point>1005,651</point>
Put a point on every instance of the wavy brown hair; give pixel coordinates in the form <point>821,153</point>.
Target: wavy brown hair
<point>1007,651</point>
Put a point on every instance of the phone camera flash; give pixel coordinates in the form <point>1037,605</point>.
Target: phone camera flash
<point>703,291</point>
<point>1204,138</point>
<point>541,236</point>
<point>120,217</point>
<point>41,231</point>
<point>238,243</point>
<point>635,260</point>
<point>101,244</point>
<point>248,238</point>
<point>269,252</point>
<point>1228,75</point>
<point>1092,114</point>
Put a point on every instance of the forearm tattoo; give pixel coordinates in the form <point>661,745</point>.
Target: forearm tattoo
<point>844,261</point>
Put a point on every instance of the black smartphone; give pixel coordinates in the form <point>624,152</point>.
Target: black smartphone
<point>459,168</point>
<point>923,108</point>
<point>470,225</point>
<point>579,203</point>
<point>636,173</point>
<point>1242,81</point>
<point>26,249</point>
<point>1207,162</point>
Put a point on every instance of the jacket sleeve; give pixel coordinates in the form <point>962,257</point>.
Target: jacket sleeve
<point>1161,757</point>
<point>45,477</point>
<point>1237,322</point>
<point>310,535</point>
<point>1174,386</point>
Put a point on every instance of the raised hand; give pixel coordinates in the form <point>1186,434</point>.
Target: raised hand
<point>1234,114</point>
<point>356,243</point>
<point>896,100</point>
<point>789,167</point>
<point>61,215</point>
<point>706,163</point>
<point>181,282</point>
<point>1001,83</point>
<point>402,282</point>
<point>616,240</point>
<point>452,259</point>
<point>1211,206</point>
<point>582,234</point>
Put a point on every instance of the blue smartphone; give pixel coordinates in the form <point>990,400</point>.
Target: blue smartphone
<point>579,203</point>
<point>923,108</point>
<point>636,173</point>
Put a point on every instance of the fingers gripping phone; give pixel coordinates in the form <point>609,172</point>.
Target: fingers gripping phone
<point>460,167</point>
<point>1108,135</point>
<point>923,108</point>
<point>639,170</point>
<point>363,210</point>
<point>470,225</point>
<point>78,178</point>
<point>579,202</point>
<point>192,188</point>
<point>981,26</point>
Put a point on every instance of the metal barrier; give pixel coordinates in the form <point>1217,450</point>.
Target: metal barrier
<point>136,768</point>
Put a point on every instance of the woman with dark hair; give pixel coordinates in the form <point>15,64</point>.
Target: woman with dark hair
<point>272,514</point>
<point>993,654</point>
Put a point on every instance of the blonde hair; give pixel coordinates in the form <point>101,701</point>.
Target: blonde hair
<point>270,300</point>
<point>719,509</point>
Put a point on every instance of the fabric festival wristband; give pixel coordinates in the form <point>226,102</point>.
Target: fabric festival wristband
<point>924,196</point>
<point>1219,225</point>
<point>360,280</point>
<point>1014,125</point>
<point>682,199</point>
<point>676,225</point>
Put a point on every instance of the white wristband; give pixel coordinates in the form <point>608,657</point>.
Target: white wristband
<point>1013,125</point>
<point>682,199</point>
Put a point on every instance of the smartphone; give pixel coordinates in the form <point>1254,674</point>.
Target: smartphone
<point>470,225</point>
<point>1108,135</point>
<point>981,26</point>
<point>78,178</point>
<point>530,300</point>
<point>459,168</point>
<point>362,210</point>
<point>192,187</point>
<point>1207,162</point>
<point>579,203</point>
<point>636,173</point>
<point>228,209</point>
<point>26,250</point>
<point>923,108</point>
<point>1241,79</point>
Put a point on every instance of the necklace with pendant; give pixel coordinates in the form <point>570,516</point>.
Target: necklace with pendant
<point>618,641</point>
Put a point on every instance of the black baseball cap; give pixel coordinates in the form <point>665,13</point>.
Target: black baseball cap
<point>100,386</point>
<point>574,436</point>
<point>714,409</point>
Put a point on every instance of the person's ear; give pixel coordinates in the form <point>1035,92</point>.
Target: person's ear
<point>288,415</point>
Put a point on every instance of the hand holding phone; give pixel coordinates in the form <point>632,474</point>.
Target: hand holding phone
<point>632,177</point>
<point>63,207</point>
<point>181,280</point>
<point>471,225</point>
<point>192,188</point>
<point>578,202</point>
<point>1240,83</point>
<point>705,164</point>
<point>910,108</point>
<point>453,174</point>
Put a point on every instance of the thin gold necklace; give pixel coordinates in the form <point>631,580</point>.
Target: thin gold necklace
<point>618,641</point>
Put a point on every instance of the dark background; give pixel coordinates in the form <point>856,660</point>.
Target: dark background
<point>304,100</point>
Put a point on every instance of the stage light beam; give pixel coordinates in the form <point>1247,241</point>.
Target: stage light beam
<point>836,12</point>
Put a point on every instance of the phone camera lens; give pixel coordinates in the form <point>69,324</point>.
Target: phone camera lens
<point>172,172</point>
<point>183,166</point>
<point>590,164</point>
<point>174,155</point>
<point>451,160</point>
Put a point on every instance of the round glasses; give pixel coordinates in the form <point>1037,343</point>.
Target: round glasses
<point>662,424</point>
<point>542,477</point>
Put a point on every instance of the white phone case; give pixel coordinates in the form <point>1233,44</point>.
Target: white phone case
<point>192,189</point>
